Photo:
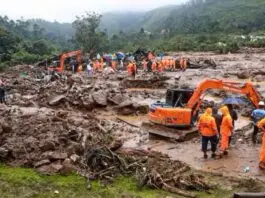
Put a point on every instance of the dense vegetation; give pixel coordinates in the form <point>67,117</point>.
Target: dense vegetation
<point>220,25</point>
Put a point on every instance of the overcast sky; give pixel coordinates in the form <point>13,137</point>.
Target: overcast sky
<point>66,10</point>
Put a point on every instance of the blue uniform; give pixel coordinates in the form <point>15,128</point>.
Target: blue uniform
<point>258,114</point>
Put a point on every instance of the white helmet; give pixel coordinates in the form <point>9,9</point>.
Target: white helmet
<point>261,103</point>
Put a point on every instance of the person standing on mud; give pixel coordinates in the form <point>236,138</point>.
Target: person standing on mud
<point>256,116</point>
<point>218,119</point>
<point>261,125</point>
<point>225,130</point>
<point>234,117</point>
<point>208,130</point>
<point>2,93</point>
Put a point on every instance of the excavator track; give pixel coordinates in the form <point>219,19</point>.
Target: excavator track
<point>178,135</point>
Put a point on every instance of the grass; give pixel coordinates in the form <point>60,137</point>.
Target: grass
<point>24,183</point>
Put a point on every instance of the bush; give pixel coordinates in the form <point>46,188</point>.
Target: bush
<point>24,57</point>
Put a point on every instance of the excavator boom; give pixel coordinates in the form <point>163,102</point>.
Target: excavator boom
<point>182,110</point>
<point>230,86</point>
<point>77,53</point>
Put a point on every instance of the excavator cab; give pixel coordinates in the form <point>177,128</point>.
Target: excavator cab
<point>172,112</point>
<point>178,97</point>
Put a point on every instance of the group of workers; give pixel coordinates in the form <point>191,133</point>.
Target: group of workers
<point>216,129</point>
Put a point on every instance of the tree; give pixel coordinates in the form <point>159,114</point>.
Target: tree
<point>86,34</point>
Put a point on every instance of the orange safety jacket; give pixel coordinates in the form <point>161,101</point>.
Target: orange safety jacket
<point>227,123</point>
<point>206,124</point>
<point>154,66</point>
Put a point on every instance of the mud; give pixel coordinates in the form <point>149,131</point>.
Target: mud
<point>54,122</point>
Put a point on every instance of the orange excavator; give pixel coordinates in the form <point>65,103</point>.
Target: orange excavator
<point>61,68</point>
<point>182,105</point>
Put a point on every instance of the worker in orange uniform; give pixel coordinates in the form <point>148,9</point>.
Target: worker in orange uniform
<point>144,65</point>
<point>208,130</point>
<point>130,68</point>
<point>113,65</point>
<point>261,125</point>
<point>96,65</point>
<point>154,66</point>
<point>174,64</point>
<point>225,130</point>
<point>167,64</point>
<point>185,64</point>
<point>159,67</point>
<point>181,64</point>
<point>164,62</point>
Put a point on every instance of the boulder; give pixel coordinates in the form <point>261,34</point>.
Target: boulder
<point>243,75</point>
<point>56,100</point>
<point>100,98</point>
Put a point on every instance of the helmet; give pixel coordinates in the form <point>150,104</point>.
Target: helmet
<point>261,103</point>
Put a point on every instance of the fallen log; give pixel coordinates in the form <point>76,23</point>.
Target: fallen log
<point>249,195</point>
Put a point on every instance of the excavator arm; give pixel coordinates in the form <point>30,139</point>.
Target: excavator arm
<point>246,89</point>
<point>77,53</point>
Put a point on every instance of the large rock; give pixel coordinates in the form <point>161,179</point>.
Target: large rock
<point>100,98</point>
<point>55,100</point>
<point>259,78</point>
<point>243,75</point>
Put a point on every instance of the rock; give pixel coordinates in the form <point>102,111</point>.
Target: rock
<point>243,75</point>
<point>3,152</point>
<point>47,146</point>
<point>41,163</point>
<point>55,100</point>
<point>124,104</point>
<point>67,167</point>
<point>51,168</point>
<point>6,128</point>
<point>126,111</point>
<point>141,108</point>
<point>55,155</point>
<point>117,99</point>
<point>74,158</point>
<point>100,98</point>
<point>259,78</point>
<point>115,145</point>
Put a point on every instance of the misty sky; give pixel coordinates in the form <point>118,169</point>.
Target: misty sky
<point>66,10</point>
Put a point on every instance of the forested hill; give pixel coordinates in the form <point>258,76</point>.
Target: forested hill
<point>197,16</point>
<point>198,25</point>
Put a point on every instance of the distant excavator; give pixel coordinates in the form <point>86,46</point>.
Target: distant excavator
<point>61,68</point>
<point>182,105</point>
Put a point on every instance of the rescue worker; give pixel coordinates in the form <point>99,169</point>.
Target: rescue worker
<point>225,130</point>
<point>164,62</point>
<point>2,93</point>
<point>154,66</point>
<point>159,67</point>
<point>134,69</point>
<point>218,119</point>
<point>207,129</point>
<point>113,65</point>
<point>185,64</point>
<point>256,116</point>
<point>167,64</point>
<point>261,125</point>
<point>181,64</point>
<point>234,117</point>
<point>144,65</point>
<point>130,68</point>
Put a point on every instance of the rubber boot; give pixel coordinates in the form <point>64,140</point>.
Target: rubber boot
<point>205,156</point>
<point>262,165</point>
<point>213,155</point>
<point>225,152</point>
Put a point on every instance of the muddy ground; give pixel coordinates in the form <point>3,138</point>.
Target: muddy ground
<point>65,123</point>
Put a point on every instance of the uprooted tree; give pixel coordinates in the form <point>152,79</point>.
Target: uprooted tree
<point>87,33</point>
